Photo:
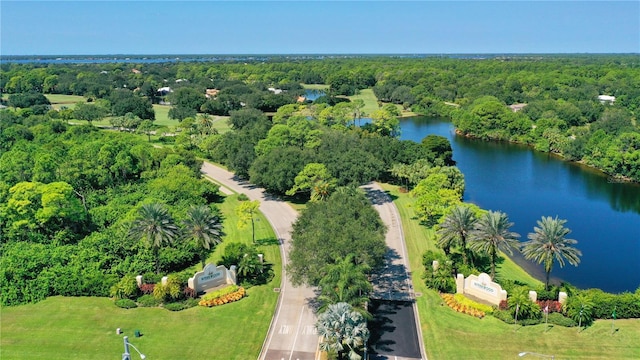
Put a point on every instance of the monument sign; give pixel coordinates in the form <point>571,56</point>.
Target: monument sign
<point>481,287</point>
<point>212,276</point>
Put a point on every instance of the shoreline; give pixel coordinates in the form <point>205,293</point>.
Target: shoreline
<point>612,178</point>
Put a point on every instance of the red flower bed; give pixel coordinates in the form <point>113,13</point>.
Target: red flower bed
<point>147,289</point>
<point>554,305</point>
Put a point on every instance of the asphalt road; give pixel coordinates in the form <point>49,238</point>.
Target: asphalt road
<point>292,334</point>
<point>393,283</point>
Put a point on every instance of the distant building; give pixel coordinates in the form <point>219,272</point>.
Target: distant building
<point>301,99</point>
<point>606,99</point>
<point>517,107</point>
<point>210,93</point>
<point>164,91</point>
<point>275,91</point>
<point>136,71</point>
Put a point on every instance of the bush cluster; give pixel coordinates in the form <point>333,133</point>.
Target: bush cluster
<point>470,308</point>
<point>126,303</point>
<point>222,297</point>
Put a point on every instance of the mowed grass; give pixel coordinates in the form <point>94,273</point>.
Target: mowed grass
<point>84,328</point>
<point>315,86</point>
<point>451,335</point>
<point>371,103</point>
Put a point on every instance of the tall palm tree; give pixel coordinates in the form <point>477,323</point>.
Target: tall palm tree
<point>346,282</point>
<point>204,227</point>
<point>456,228</point>
<point>491,234</point>
<point>155,225</point>
<point>548,243</point>
<point>343,330</point>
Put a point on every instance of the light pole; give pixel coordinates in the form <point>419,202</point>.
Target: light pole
<point>524,353</point>
<point>126,355</point>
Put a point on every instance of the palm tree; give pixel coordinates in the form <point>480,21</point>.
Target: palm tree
<point>491,233</point>
<point>155,225</point>
<point>548,243</point>
<point>342,330</point>
<point>346,282</point>
<point>204,228</point>
<point>455,230</point>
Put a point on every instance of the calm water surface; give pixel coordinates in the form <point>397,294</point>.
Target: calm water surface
<point>604,216</point>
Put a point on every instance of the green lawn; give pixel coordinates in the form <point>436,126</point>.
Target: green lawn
<point>315,86</point>
<point>65,99</point>
<point>371,102</point>
<point>451,335</point>
<point>84,328</point>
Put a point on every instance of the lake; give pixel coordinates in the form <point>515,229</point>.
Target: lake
<point>604,215</point>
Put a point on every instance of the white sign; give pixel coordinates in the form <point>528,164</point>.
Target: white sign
<point>212,276</point>
<point>481,287</point>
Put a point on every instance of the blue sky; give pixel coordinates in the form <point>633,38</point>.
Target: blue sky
<point>312,27</point>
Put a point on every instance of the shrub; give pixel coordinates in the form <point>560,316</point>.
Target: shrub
<point>451,301</point>
<point>126,303</point>
<point>520,301</point>
<point>148,301</point>
<point>176,306</point>
<point>507,316</point>
<point>126,288</point>
<point>170,291</point>
<point>223,299</point>
<point>243,197</point>
<point>561,320</point>
<point>554,305</point>
<point>463,300</point>
<point>151,278</point>
<point>189,293</point>
<point>224,291</point>
<point>147,289</point>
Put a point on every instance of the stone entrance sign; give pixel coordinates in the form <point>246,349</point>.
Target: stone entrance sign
<point>212,276</point>
<point>481,287</point>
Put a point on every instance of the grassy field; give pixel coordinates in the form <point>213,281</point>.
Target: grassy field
<point>315,86</point>
<point>64,327</point>
<point>371,102</point>
<point>451,335</point>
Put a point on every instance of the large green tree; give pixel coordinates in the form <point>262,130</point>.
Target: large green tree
<point>328,231</point>
<point>548,243</point>
<point>491,234</point>
<point>156,227</point>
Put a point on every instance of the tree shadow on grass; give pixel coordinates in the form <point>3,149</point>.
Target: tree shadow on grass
<point>268,241</point>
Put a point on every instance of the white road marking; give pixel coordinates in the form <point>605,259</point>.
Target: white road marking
<point>284,329</point>
<point>296,337</point>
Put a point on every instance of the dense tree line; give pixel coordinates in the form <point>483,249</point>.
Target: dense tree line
<point>70,194</point>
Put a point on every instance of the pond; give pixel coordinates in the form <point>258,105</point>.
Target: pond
<point>604,215</point>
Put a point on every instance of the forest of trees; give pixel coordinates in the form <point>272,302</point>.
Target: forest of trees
<point>562,115</point>
<point>70,194</point>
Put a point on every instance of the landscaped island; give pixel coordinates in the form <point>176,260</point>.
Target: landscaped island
<point>83,211</point>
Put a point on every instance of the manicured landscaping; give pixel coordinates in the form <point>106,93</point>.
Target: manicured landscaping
<point>451,335</point>
<point>315,86</point>
<point>371,102</point>
<point>85,327</point>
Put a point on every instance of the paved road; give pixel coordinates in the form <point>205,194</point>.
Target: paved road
<point>393,282</point>
<point>292,334</point>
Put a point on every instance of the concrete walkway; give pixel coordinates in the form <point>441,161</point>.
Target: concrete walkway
<point>292,334</point>
<point>393,282</point>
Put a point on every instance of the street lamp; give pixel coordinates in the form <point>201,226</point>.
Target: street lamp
<point>127,355</point>
<point>535,354</point>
